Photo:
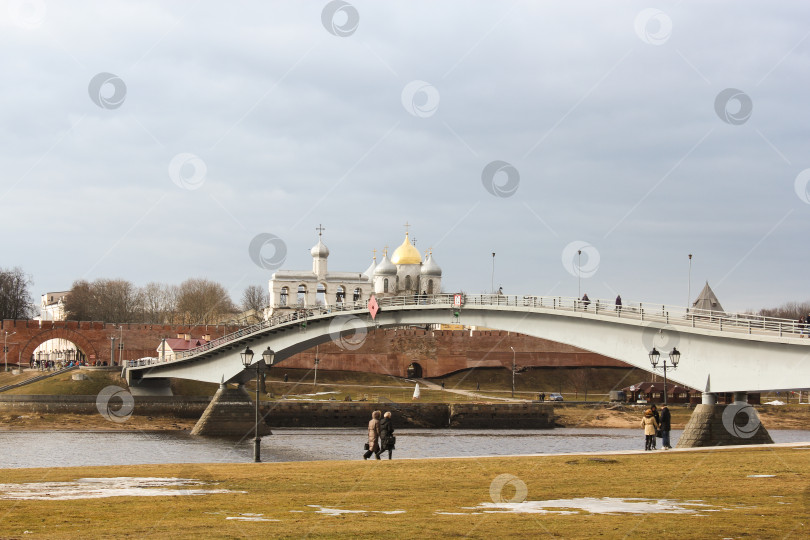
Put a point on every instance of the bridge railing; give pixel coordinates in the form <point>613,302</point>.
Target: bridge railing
<point>659,313</point>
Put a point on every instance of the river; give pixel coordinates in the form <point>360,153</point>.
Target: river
<point>21,449</point>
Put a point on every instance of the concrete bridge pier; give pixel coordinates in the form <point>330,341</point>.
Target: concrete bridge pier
<point>232,414</point>
<point>712,424</point>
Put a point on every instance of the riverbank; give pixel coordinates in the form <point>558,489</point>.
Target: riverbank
<point>568,415</point>
<point>717,493</point>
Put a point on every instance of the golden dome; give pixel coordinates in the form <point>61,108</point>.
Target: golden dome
<point>406,253</point>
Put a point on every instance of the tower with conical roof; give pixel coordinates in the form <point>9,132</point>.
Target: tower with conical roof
<point>707,300</point>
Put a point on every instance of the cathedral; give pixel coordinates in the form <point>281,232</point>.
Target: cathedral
<point>403,273</point>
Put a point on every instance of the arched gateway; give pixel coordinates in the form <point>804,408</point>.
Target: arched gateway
<point>83,345</point>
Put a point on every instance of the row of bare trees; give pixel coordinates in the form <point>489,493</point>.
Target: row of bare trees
<point>195,301</point>
<point>789,310</point>
<point>15,298</point>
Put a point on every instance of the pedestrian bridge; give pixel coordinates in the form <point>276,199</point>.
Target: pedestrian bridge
<point>720,352</point>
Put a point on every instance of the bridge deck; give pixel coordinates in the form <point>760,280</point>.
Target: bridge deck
<point>682,319</point>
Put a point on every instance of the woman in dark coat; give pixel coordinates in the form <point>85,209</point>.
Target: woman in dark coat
<point>666,426</point>
<point>373,436</point>
<point>386,435</point>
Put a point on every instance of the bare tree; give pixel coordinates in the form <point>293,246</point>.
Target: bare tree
<point>580,379</point>
<point>201,301</point>
<point>255,298</point>
<point>788,310</point>
<point>80,302</point>
<point>15,298</point>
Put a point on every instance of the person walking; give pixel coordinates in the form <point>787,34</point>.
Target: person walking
<point>373,436</point>
<point>619,303</point>
<point>650,425</point>
<point>666,426</point>
<point>387,438</point>
<point>586,301</point>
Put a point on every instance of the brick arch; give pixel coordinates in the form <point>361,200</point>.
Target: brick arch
<point>84,344</point>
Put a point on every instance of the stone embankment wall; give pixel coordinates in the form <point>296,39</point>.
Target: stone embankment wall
<point>313,414</point>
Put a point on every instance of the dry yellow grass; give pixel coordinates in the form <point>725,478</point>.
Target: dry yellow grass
<point>743,507</point>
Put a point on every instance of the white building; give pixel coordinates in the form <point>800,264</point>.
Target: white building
<point>52,306</point>
<point>403,273</point>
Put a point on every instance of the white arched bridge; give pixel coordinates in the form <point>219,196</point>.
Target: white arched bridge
<point>719,352</point>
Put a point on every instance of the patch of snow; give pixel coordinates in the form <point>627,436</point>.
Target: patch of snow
<point>250,517</point>
<point>98,488</point>
<point>761,476</point>
<point>774,402</point>
<point>339,511</point>
<point>594,505</point>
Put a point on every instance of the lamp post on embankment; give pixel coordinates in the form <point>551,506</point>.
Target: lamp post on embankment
<point>247,358</point>
<point>513,371</point>
<point>674,357</point>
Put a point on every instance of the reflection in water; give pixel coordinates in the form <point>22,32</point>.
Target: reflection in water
<point>25,448</point>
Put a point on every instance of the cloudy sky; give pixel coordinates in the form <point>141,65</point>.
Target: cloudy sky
<point>157,141</point>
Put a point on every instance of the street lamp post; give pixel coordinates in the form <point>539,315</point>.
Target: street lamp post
<point>5,349</point>
<point>689,285</point>
<point>674,357</point>
<point>121,345</point>
<point>579,273</point>
<point>247,358</point>
<point>513,371</point>
<point>492,282</point>
<point>317,361</point>
<point>112,350</point>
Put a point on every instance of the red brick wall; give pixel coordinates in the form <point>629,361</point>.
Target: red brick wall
<point>442,352</point>
<point>382,351</point>
<point>93,338</point>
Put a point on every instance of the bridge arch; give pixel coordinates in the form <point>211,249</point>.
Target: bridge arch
<point>82,343</point>
<point>724,354</point>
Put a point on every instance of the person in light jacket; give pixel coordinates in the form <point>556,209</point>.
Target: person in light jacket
<point>650,425</point>
<point>373,436</point>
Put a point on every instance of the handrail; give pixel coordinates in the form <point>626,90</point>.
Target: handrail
<point>747,323</point>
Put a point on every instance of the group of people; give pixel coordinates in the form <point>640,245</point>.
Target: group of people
<point>380,435</point>
<point>656,425</point>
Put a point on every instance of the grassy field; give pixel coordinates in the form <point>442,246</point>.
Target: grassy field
<point>716,495</point>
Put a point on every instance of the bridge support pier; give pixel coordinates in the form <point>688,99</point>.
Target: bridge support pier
<point>231,413</point>
<point>724,425</point>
